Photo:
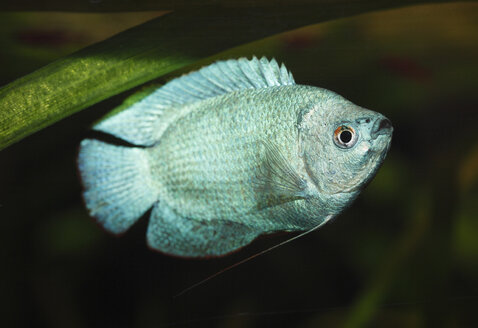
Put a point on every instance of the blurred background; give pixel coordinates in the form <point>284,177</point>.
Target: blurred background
<point>404,255</point>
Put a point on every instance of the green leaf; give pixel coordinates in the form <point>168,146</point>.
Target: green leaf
<point>149,51</point>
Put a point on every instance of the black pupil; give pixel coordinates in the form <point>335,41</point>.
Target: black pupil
<point>345,136</point>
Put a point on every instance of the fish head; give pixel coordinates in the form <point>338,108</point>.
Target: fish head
<point>342,145</point>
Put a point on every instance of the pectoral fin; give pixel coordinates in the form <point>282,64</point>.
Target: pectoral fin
<point>276,181</point>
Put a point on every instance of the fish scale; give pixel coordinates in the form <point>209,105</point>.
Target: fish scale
<point>229,170</point>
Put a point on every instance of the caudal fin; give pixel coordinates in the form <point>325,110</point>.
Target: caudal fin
<point>118,188</point>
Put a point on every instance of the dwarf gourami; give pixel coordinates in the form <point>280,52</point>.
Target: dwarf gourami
<point>232,151</point>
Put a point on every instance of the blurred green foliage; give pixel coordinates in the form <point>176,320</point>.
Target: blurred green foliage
<point>151,50</point>
<point>404,255</point>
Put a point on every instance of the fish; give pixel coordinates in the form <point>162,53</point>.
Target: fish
<point>227,153</point>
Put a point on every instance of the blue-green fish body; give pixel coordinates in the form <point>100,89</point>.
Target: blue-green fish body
<point>230,152</point>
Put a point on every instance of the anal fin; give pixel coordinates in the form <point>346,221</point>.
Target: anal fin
<point>170,233</point>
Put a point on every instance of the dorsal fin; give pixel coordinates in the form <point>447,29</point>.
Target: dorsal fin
<point>144,122</point>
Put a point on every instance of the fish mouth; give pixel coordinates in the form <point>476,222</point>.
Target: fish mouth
<point>382,126</point>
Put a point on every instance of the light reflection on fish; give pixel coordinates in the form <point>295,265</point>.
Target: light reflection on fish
<point>228,153</point>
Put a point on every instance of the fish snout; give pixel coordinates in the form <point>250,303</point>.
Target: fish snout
<point>381,126</point>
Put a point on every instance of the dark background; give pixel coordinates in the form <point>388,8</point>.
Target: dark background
<point>404,255</point>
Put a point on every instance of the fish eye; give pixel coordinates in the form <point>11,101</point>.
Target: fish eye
<point>345,136</point>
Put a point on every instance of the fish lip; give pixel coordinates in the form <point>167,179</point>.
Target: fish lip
<point>381,142</point>
<point>382,126</point>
